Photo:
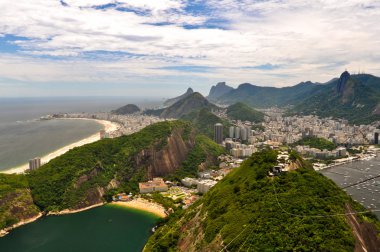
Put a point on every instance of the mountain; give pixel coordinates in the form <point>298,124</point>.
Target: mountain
<point>126,110</point>
<point>263,97</point>
<point>217,91</point>
<point>192,102</point>
<point>352,97</point>
<point>204,121</point>
<point>300,210</point>
<point>171,101</point>
<point>241,111</point>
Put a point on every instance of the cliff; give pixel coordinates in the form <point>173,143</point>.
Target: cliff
<point>162,162</point>
<point>16,203</point>
<point>219,90</point>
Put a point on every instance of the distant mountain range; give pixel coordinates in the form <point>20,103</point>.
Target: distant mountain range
<point>352,97</point>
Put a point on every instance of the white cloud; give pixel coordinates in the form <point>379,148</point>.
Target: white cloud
<point>310,40</point>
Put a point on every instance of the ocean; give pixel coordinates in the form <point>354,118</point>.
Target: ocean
<point>106,228</point>
<point>23,137</point>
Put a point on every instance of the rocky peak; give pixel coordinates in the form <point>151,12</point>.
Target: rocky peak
<point>344,77</point>
<point>220,89</point>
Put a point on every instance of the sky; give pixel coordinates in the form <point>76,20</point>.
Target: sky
<point>159,48</point>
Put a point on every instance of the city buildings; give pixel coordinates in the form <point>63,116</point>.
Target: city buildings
<point>34,163</point>
<point>218,133</point>
<point>155,185</point>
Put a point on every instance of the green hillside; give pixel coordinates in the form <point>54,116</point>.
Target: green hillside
<point>73,179</point>
<point>126,110</point>
<point>241,111</point>
<point>204,121</point>
<point>16,202</point>
<point>315,142</point>
<point>247,211</point>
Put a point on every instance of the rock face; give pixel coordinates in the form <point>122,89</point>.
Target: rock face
<point>171,101</point>
<point>217,91</point>
<point>127,110</point>
<point>161,162</point>
<point>344,77</point>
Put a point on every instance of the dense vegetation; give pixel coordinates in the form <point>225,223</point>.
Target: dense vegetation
<point>316,142</point>
<point>205,152</point>
<point>241,111</point>
<point>69,180</point>
<point>250,211</point>
<point>16,203</point>
<point>204,122</point>
<point>358,102</point>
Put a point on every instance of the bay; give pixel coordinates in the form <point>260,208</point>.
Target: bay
<point>106,228</point>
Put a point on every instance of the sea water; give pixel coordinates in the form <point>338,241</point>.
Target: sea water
<point>106,228</point>
<point>23,136</point>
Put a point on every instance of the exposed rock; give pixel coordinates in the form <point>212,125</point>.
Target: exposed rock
<point>344,77</point>
<point>217,91</point>
<point>166,160</point>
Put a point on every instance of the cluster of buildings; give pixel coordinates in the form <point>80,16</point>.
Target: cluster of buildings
<point>239,150</point>
<point>321,154</point>
<point>129,124</point>
<point>288,130</point>
<point>155,185</point>
<point>241,132</point>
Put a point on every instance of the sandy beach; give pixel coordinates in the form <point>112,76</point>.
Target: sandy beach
<point>107,125</point>
<point>68,211</point>
<point>143,205</point>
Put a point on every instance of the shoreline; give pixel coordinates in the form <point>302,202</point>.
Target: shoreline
<point>108,126</point>
<point>143,205</point>
<point>137,204</point>
<point>68,211</point>
<point>5,231</point>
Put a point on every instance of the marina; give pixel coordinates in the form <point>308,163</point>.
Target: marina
<point>361,180</point>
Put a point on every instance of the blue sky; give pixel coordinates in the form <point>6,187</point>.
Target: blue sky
<point>161,47</point>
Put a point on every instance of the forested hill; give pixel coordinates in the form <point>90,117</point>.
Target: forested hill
<point>92,173</point>
<point>247,211</point>
<point>241,111</point>
<point>352,97</point>
<point>85,175</point>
